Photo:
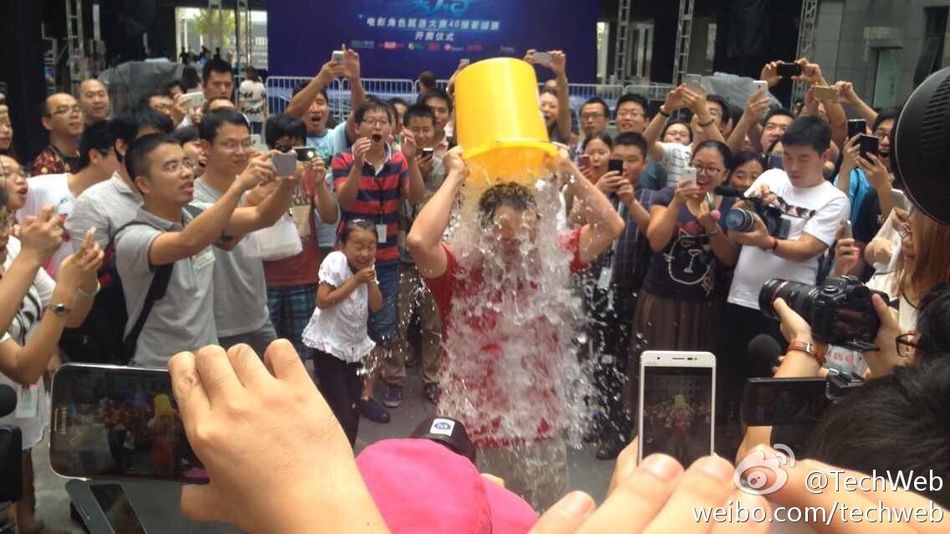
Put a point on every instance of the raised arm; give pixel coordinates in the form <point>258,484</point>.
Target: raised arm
<point>415,191</point>
<point>674,101</point>
<point>696,102</point>
<point>559,67</point>
<point>425,237</point>
<point>40,238</point>
<point>663,218</point>
<point>850,97</point>
<point>604,224</point>
<point>300,103</point>
<point>757,104</point>
<point>351,70</point>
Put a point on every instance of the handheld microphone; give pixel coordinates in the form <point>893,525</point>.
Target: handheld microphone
<point>7,400</point>
<point>764,348</point>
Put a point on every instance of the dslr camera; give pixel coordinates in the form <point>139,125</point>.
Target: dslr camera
<point>839,311</point>
<point>743,220</point>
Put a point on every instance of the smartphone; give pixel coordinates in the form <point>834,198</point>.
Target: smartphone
<point>615,165</point>
<point>760,85</point>
<point>899,199</point>
<point>826,93</point>
<point>787,70</point>
<point>104,507</point>
<point>305,153</point>
<point>869,145</point>
<point>464,62</point>
<point>337,56</point>
<point>694,82</point>
<point>847,231</point>
<point>857,126</point>
<point>193,101</point>
<point>118,423</point>
<point>688,175</point>
<point>542,58</point>
<point>286,164</point>
<point>583,161</point>
<point>676,412</point>
<point>428,152</point>
<point>777,401</point>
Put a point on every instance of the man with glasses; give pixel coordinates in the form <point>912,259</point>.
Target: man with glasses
<point>97,162</point>
<point>63,118</point>
<point>94,101</point>
<point>594,116</point>
<point>240,300</point>
<point>371,181</point>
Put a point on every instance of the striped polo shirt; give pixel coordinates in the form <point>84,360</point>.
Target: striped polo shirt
<point>378,197</point>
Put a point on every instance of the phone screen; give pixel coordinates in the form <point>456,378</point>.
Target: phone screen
<point>115,504</point>
<point>118,422</point>
<point>615,165</point>
<point>869,145</point>
<point>787,70</point>
<point>857,126</point>
<point>285,164</point>
<point>676,412</point>
<point>777,401</point>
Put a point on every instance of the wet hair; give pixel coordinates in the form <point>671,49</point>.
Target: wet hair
<point>896,422</point>
<point>212,121</point>
<point>136,159</point>
<point>598,101</point>
<point>604,138</point>
<point>355,224</point>
<point>436,93</point>
<point>636,99</point>
<point>889,114</point>
<point>718,146</point>
<point>302,86</point>
<point>215,65</point>
<point>278,126</point>
<point>97,136</point>
<point>808,131</point>
<point>187,134</point>
<point>676,121</point>
<point>417,111</point>
<point>745,156</point>
<point>933,323</point>
<point>632,139</point>
<point>427,80</point>
<point>511,194</point>
<point>371,103</point>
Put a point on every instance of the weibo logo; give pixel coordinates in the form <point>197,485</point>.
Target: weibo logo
<point>433,7</point>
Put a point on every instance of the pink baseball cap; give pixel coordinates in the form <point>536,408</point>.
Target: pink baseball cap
<point>422,486</point>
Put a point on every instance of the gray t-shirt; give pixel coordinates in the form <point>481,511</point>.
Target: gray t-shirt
<point>182,320</point>
<point>106,206</point>
<point>240,293</point>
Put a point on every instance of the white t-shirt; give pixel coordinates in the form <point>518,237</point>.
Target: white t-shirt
<point>254,97</point>
<point>817,211</point>
<point>341,329</point>
<point>32,424</point>
<point>50,190</point>
<point>676,157</point>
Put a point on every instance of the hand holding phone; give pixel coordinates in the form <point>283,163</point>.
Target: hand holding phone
<point>694,82</point>
<point>788,70</point>
<point>338,56</point>
<point>868,144</point>
<point>286,164</point>
<point>825,93</point>
<point>542,58</point>
<point>857,127</point>
<point>615,165</point>
<point>847,230</point>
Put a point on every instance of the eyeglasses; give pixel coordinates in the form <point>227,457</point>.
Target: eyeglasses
<point>376,122</point>
<point>700,169</point>
<point>176,166</point>
<point>67,109</point>
<point>234,146</point>
<point>907,344</point>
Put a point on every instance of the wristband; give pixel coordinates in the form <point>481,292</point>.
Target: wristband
<point>774,246</point>
<point>664,113</point>
<point>808,348</point>
<point>87,294</point>
<point>705,124</point>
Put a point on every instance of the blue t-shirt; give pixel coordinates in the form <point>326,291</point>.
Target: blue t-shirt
<point>332,142</point>
<point>863,217</point>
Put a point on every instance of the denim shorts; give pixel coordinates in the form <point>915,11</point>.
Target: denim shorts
<point>382,324</point>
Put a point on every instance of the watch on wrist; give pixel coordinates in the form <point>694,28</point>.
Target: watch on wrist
<point>59,309</point>
<point>808,348</point>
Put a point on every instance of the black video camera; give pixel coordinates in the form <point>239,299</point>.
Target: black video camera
<point>743,220</point>
<point>839,311</point>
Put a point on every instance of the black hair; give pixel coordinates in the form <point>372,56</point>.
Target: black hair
<point>718,146</point>
<point>189,78</point>
<point>418,111</point>
<point>808,131</point>
<point>144,101</point>
<point>371,103</point>
<point>302,86</point>
<point>167,90</point>
<point>632,139</point>
<point>676,121</point>
<point>396,100</point>
<point>355,224</point>
<point>251,73</point>
<point>511,194</point>
<point>896,422</point>
<point>599,101</point>
<point>745,156</point>
<point>779,111</point>
<point>885,115</point>
<point>97,136</point>
<point>933,323</point>
<point>187,134</point>
<point>723,105</point>
<point>215,65</point>
<point>604,138</point>
<point>436,93</point>
<point>636,99</point>
<point>136,159</point>
<point>545,90</point>
<point>427,80</point>
<point>212,121</point>
<point>278,126</point>
<point>772,145</point>
<point>126,125</point>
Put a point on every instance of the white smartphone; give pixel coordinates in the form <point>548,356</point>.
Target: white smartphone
<point>899,199</point>
<point>194,100</point>
<point>760,85</point>
<point>689,175</point>
<point>542,58</point>
<point>694,82</point>
<point>676,413</point>
<point>847,230</point>
<point>337,56</point>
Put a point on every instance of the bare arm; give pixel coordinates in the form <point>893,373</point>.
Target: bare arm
<point>757,104</point>
<point>248,219</point>
<point>415,192</point>
<point>329,296</point>
<point>559,67</point>
<point>604,224</point>
<point>652,133</point>
<point>850,97</point>
<point>425,237</point>
<point>301,102</point>
<point>351,70</point>
<point>662,225</point>
<point>375,296</point>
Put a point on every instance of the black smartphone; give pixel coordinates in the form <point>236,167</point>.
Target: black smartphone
<point>118,422</point>
<point>104,507</point>
<point>305,153</point>
<point>857,126</point>
<point>777,401</point>
<point>869,145</point>
<point>615,165</point>
<point>428,152</point>
<point>787,70</point>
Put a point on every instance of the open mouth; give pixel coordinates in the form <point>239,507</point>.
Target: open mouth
<point>377,138</point>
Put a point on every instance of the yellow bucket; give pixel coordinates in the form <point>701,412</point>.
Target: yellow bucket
<point>498,122</point>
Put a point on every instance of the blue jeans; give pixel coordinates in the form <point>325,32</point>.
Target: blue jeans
<point>382,324</point>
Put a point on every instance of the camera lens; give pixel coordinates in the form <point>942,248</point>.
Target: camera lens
<point>740,220</point>
<point>799,297</point>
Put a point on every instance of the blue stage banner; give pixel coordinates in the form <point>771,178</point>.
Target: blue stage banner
<point>401,38</point>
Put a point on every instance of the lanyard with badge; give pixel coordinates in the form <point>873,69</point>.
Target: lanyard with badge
<point>381,227</point>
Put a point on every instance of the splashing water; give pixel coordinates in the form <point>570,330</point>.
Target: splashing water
<point>511,372</point>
